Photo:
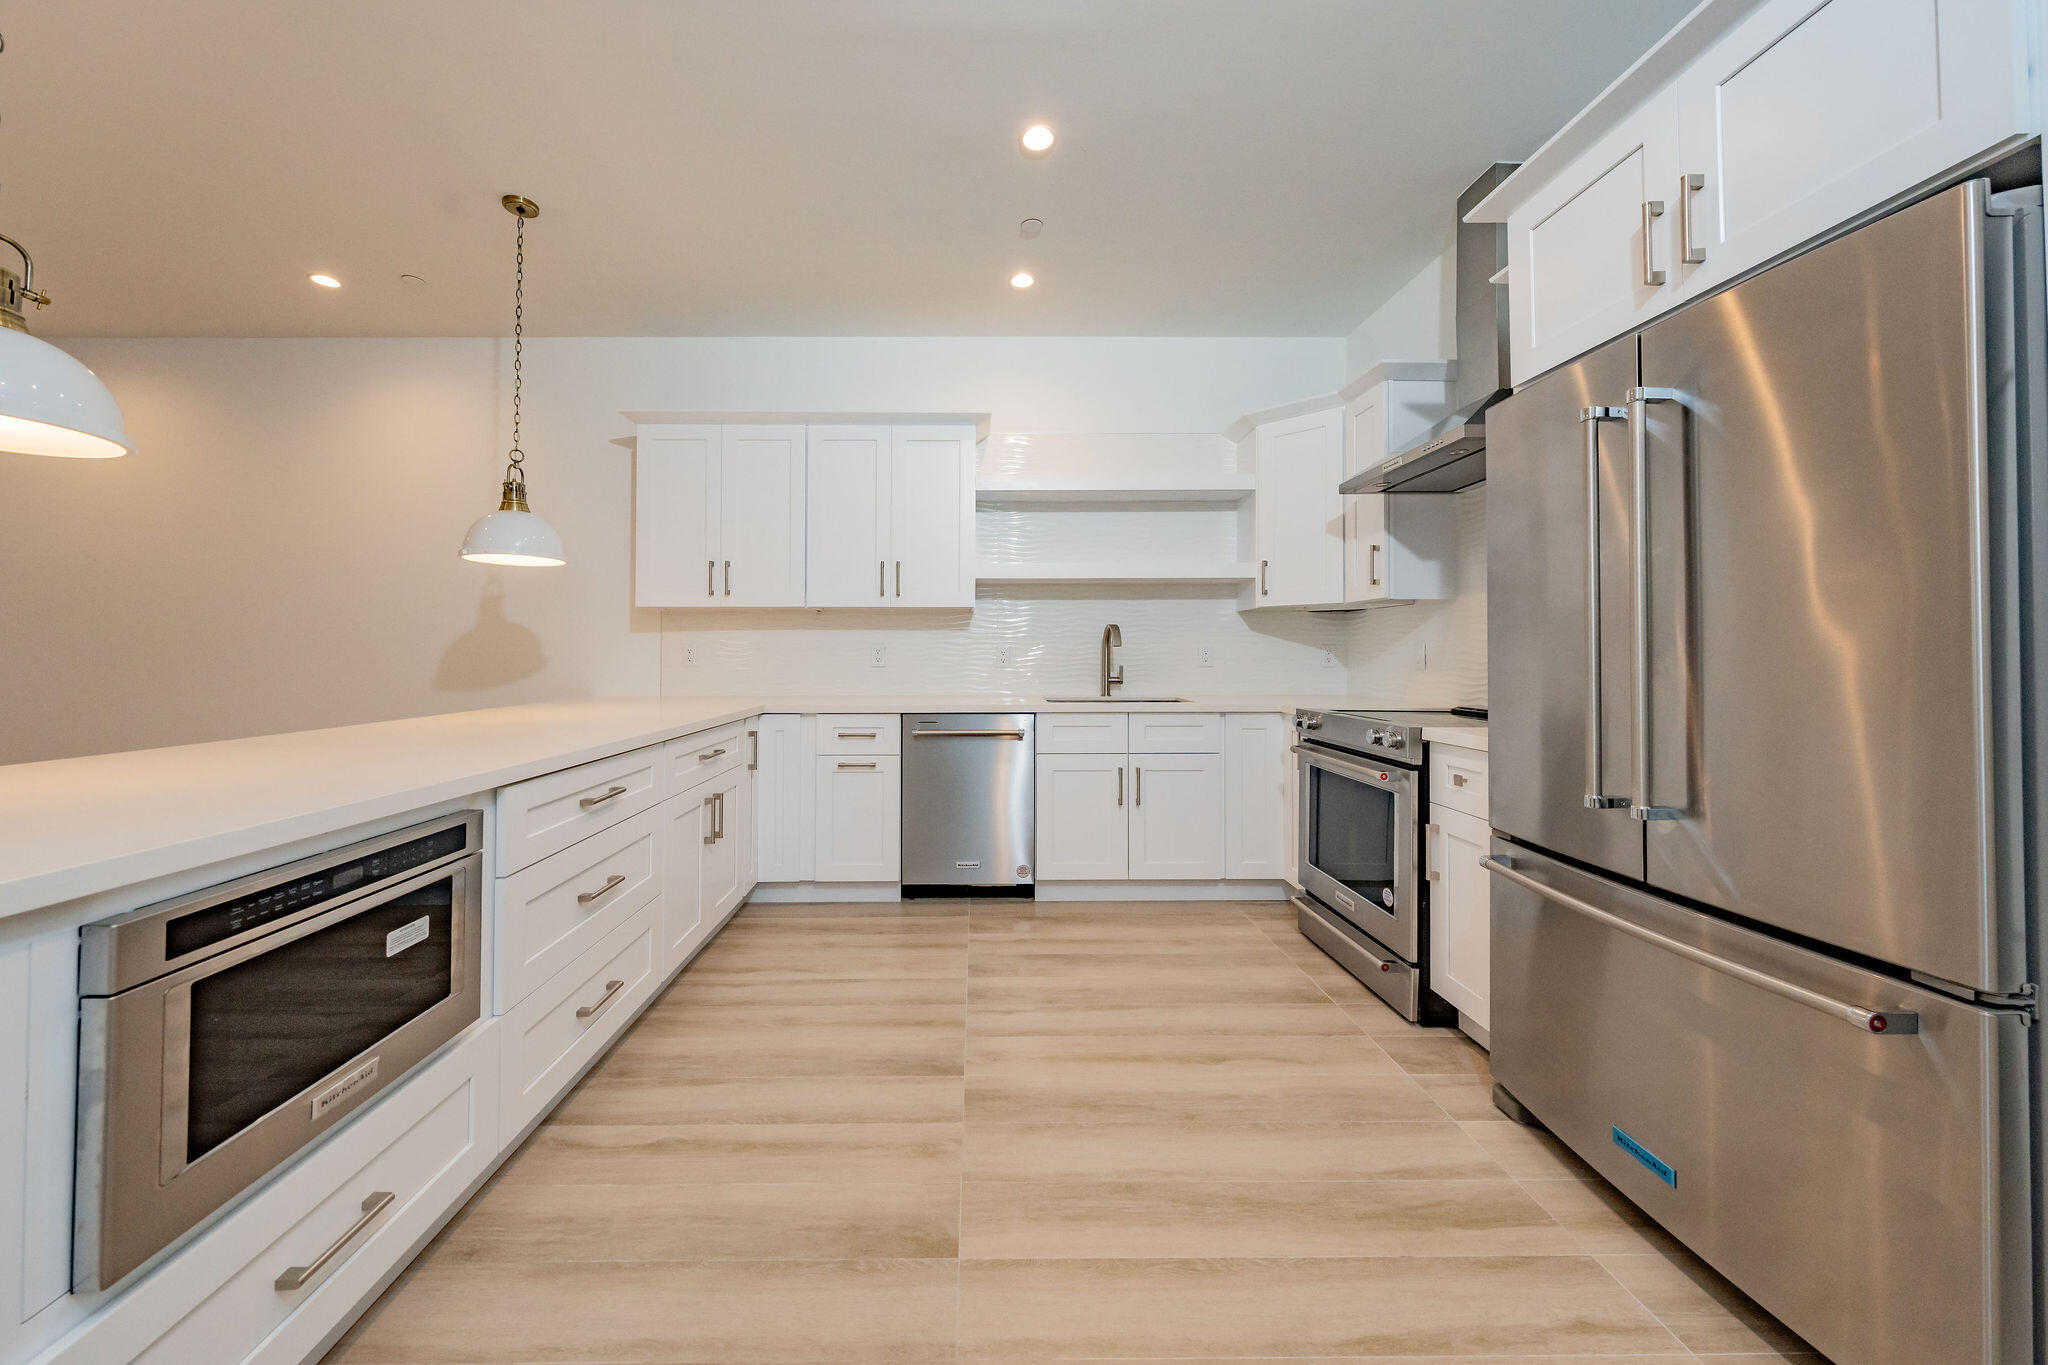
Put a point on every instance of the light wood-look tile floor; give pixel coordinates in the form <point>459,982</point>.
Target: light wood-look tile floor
<point>993,1132</point>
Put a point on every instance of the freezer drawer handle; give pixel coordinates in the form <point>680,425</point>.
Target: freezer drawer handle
<point>1639,401</point>
<point>1870,1021</point>
<point>967,734</point>
<point>1596,732</point>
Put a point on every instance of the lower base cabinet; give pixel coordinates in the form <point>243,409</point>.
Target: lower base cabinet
<point>1460,913</point>
<point>1084,831</point>
<point>575,1016</point>
<point>859,818</point>
<point>1176,817</point>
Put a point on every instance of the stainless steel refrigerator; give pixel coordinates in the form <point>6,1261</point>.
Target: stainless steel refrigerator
<point>1763,635</point>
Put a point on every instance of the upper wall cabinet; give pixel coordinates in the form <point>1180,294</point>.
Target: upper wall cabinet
<point>1400,547</point>
<point>1754,128</point>
<point>1298,514</point>
<point>891,517</point>
<point>719,516</point>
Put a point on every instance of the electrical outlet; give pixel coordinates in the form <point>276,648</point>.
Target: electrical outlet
<point>1329,658</point>
<point>1207,658</point>
<point>875,659</point>
<point>1003,658</point>
<point>689,656</point>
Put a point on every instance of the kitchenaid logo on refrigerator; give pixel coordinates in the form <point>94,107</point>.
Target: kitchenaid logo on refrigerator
<point>1646,1157</point>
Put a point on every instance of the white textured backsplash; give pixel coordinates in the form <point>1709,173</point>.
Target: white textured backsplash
<point>1039,639</point>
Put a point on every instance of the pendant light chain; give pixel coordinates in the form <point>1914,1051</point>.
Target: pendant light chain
<point>518,346</point>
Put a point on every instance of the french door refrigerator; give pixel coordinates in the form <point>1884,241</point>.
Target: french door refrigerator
<point>1763,636</point>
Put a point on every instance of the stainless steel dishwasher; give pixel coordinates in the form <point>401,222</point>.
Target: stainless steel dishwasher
<point>970,803</point>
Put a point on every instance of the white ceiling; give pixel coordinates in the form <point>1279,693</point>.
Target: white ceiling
<point>767,167</point>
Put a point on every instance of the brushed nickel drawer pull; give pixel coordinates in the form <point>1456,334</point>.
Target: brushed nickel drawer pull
<point>1457,779</point>
<point>1870,1021</point>
<point>613,793</point>
<point>611,988</point>
<point>586,897</point>
<point>845,767</point>
<point>299,1276</point>
<point>709,754</point>
<point>858,734</point>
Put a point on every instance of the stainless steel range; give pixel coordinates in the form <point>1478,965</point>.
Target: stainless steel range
<point>1361,848</point>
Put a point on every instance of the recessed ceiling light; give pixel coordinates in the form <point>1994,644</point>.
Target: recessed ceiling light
<point>1022,280</point>
<point>1030,227</point>
<point>1037,140</point>
<point>325,281</point>
<point>411,281</point>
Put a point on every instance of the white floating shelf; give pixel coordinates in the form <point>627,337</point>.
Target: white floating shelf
<point>991,571</point>
<point>1116,488</point>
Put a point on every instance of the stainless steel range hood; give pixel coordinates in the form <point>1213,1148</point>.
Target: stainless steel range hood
<point>1453,455</point>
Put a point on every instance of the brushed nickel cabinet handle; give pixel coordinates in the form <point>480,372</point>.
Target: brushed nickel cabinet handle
<point>586,897</point>
<point>1870,1021</point>
<point>1372,564</point>
<point>718,815</point>
<point>1138,783</point>
<point>710,754</point>
<point>299,1276</point>
<point>1429,833</point>
<point>899,578</point>
<point>710,577</point>
<point>1653,209</point>
<point>1457,779</point>
<point>1262,578</point>
<point>611,794</point>
<point>611,988</point>
<point>881,578</point>
<point>754,761</point>
<point>1119,784</point>
<point>711,805</point>
<point>857,734</point>
<point>847,767</point>
<point>728,578</point>
<point>1688,186</point>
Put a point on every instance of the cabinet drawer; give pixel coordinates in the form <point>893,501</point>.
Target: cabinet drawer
<point>420,1144</point>
<point>544,815</point>
<point>859,734</point>
<point>1176,733</point>
<point>691,759</point>
<point>549,913</point>
<point>1084,732</point>
<point>1457,778</point>
<point>575,1016</point>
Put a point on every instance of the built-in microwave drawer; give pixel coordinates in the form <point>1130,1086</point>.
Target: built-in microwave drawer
<point>876,734</point>
<point>365,1197</point>
<point>549,913</point>
<point>1457,778</point>
<point>575,1015</point>
<point>693,758</point>
<point>1869,1186</point>
<point>546,814</point>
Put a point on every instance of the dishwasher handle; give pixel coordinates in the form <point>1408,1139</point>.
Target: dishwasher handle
<point>967,734</point>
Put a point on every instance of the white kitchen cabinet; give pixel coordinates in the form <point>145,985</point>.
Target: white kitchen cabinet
<point>719,516</point>
<point>682,922</point>
<point>1592,253</point>
<point>725,884</point>
<point>1807,115</point>
<point>1176,817</point>
<point>1255,796</point>
<point>891,521</point>
<point>785,786</point>
<point>1460,922</point>
<point>1400,547</point>
<point>859,818</point>
<point>931,517</point>
<point>1298,515</point>
<point>1083,817</point>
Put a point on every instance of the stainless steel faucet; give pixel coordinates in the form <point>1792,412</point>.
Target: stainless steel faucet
<point>1112,638</point>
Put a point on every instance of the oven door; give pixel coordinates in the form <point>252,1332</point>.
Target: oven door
<point>195,1086</point>
<point>1359,844</point>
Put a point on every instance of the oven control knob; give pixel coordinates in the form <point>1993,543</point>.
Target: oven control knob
<point>1393,740</point>
<point>1376,736</point>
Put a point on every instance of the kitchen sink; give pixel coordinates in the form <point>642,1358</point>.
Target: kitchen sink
<point>1117,701</point>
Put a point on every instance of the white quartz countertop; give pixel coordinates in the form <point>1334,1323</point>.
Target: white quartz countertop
<point>81,826</point>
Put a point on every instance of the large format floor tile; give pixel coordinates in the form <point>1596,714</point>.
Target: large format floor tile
<point>1007,1133</point>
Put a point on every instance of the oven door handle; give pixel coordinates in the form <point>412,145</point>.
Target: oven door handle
<point>299,1276</point>
<point>1316,756</point>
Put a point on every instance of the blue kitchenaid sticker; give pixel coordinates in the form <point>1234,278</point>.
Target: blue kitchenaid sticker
<point>1647,1157</point>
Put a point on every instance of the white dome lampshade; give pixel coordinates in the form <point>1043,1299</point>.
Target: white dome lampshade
<point>512,534</point>
<point>51,404</point>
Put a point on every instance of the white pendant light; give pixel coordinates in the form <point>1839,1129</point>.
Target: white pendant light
<point>50,404</point>
<point>513,534</point>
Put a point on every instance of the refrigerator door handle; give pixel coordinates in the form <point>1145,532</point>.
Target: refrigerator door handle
<point>1883,1022</point>
<point>1596,732</point>
<point>1639,401</point>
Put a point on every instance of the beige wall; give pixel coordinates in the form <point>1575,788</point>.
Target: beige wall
<point>281,552</point>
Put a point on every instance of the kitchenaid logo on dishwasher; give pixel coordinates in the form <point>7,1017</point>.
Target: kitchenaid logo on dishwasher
<point>968,866</point>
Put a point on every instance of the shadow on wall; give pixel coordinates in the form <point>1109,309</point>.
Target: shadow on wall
<point>493,652</point>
